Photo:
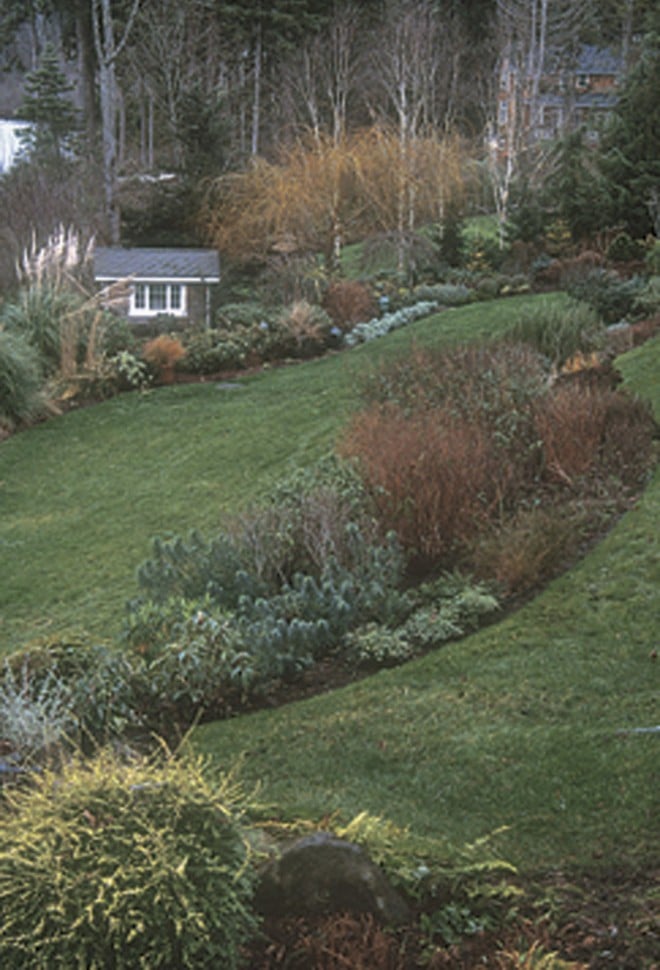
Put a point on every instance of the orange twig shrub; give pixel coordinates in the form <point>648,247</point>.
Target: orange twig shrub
<point>570,421</point>
<point>432,477</point>
<point>528,549</point>
<point>162,353</point>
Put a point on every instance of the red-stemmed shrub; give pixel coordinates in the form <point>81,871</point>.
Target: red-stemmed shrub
<point>585,429</point>
<point>570,421</point>
<point>528,549</point>
<point>628,435</point>
<point>349,302</point>
<point>432,477</point>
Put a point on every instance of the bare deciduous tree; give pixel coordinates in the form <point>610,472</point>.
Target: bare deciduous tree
<point>319,80</point>
<point>108,49</point>
<point>321,194</point>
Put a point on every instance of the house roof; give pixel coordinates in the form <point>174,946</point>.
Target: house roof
<point>185,265</point>
<point>598,60</point>
<point>587,59</point>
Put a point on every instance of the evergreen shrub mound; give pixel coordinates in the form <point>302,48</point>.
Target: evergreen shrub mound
<point>212,351</point>
<point>608,295</point>
<point>624,249</point>
<point>112,865</point>
<point>444,294</point>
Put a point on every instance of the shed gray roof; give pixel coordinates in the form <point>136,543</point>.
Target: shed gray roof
<point>114,263</point>
<point>598,60</point>
<point>588,59</point>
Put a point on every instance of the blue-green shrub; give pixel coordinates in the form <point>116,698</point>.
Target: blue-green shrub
<point>380,326</point>
<point>612,297</point>
<point>211,638</point>
<point>444,294</point>
<point>194,567</point>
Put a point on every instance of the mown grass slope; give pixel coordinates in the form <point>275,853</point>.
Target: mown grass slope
<point>82,495</point>
<point>531,723</point>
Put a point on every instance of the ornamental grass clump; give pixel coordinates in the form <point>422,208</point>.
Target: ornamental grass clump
<point>56,310</point>
<point>35,721</point>
<point>112,866</point>
<point>21,398</point>
<point>558,332</point>
<point>306,326</point>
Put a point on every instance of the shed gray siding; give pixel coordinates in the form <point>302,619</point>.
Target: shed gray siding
<point>198,270</point>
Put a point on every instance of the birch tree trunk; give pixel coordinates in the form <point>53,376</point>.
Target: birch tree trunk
<point>406,62</point>
<point>256,91</point>
<point>107,51</point>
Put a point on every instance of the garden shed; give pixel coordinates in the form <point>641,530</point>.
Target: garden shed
<point>173,283</point>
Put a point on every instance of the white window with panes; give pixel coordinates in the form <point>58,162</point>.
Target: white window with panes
<point>150,299</point>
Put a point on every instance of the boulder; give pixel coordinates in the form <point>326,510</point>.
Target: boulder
<point>321,873</point>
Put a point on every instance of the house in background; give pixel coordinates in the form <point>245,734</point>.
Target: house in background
<point>174,283</point>
<point>11,145</point>
<point>571,94</point>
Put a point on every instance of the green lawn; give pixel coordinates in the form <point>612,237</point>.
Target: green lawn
<point>518,725</point>
<point>82,495</point>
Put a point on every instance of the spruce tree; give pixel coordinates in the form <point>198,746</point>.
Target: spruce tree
<point>575,191</point>
<point>47,105</point>
<point>631,147</point>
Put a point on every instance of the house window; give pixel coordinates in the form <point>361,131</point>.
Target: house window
<point>175,297</point>
<point>149,299</point>
<point>157,297</point>
<point>139,297</point>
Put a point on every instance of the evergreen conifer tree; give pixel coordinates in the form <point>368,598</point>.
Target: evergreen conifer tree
<point>47,105</point>
<point>631,147</point>
<point>575,191</point>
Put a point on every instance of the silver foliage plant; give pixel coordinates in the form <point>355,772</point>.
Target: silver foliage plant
<point>34,720</point>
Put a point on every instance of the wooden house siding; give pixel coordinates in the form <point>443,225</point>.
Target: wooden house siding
<point>175,285</point>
